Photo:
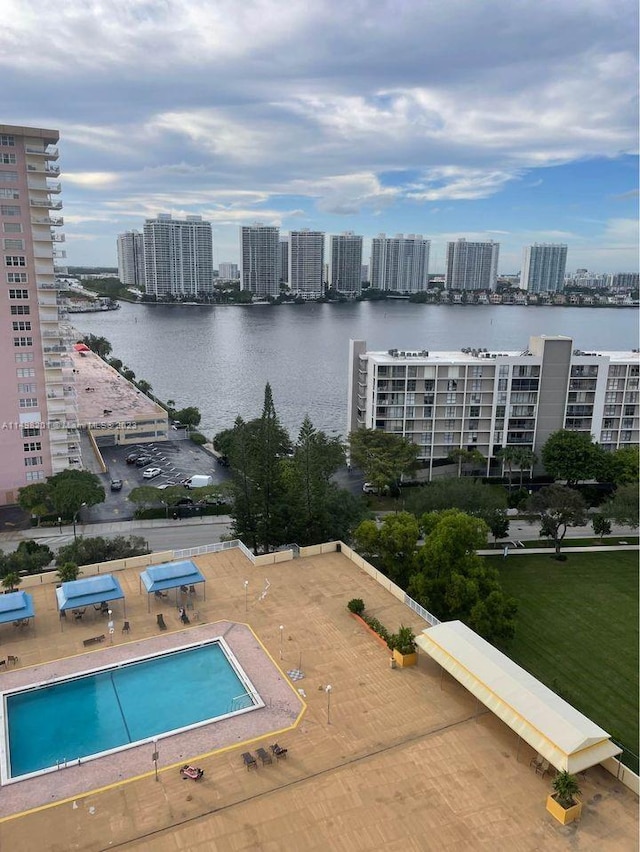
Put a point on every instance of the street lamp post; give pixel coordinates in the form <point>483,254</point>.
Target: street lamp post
<point>154,756</point>
<point>281,638</point>
<point>110,626</point>
<point>246,591</point>
<point>327,689</point>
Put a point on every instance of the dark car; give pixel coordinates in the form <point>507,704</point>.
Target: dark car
<point>141,461</point>
<point>116,485</point>
<point>184,501</point>
<point>132,458</point>
<point>223,460</point>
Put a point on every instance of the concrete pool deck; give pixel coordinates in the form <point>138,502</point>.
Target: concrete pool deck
<point>399,760</point>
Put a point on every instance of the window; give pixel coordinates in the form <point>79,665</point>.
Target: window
<point>503,384</point>
<point>18,294</point>
<point>474,411</point>
<point>20,310</point>
<point>606,436</point>
<point>451,399</point>
<point>503,370</point>
<point>5,192</point>
<point>12,227</point>
<point>627,422</point>
<point>452,385</point>
<point>450,411</point>
<point>7,141</point>
<point>476,385</point>
<point>611,397</point>
<point>476,372</point>
<point>9,210</point>
<point>23,341</point>
<point>24,357</point>
<point>21,325</point>
<point>614,384</point>
<point>14,245</point>
<point>26,388</point>
<point>447,438</point>
<point>15,260</point>
<point>449,424</point>
<point>7,159</point>
<point>28,402</point>
<point>8,177</point>
<point>32,461</point>
<point>35,475</point>
<point>25,372</point>
<point>30,432</point>
<point>617,369</point>
<point>629,410</point>
<point>610,411</point>
<point>32,447</point>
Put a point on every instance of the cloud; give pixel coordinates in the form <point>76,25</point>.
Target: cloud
<point>91,180</point>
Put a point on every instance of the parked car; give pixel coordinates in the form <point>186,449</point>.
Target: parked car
<point>116,485</point>
<point>369,488</point>
<point>151,472</point>
<point>223,461</point>
<point>132,458</point>
<point>142,460</point>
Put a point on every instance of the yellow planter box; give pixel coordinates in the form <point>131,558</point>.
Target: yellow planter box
<point>563,815</point>
<point>404,660</point>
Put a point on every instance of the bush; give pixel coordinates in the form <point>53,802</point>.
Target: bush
<point>198,438</point>
<point>377,627</point>
<point>88,551</point>
<point>356,606</point>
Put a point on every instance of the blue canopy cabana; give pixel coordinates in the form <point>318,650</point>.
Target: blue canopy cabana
<point>16,607</point>
<point>171,575</point>
<point>88,591</point>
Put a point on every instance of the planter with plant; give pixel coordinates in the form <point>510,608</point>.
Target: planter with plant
<point>563,803</point>
<point>403,646</point>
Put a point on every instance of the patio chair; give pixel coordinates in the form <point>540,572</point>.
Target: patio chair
<point>278,751</point>
<point>249,760</point>
<point>192,590</point>
<point>161,623</point>
<point>11,658</point>
<point>543,768</point>
<point>264,756</point>
<point>126,627</point>
<point>536,761</point>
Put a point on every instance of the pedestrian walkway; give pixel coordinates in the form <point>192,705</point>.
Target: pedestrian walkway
<point>550,551</point>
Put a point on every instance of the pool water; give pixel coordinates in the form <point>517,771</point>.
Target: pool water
<point>119,706</point>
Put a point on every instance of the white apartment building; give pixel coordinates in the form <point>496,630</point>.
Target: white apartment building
<point>259,259</point>
<point>543,267</point>
<point>38,414</point>
<point>283,261</point>
<point>306,263</point>
<point>178,256</point>
<point>472,265</point>
<point>346,263</point>
<point>229,271</point>
<point>131,259</point>
<point>489,399</point>
<point>399,263</point>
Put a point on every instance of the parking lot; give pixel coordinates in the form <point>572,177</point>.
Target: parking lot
<point>176,459</point>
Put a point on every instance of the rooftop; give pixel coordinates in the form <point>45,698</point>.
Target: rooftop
<point>400,759</point>
<point>104,396</point>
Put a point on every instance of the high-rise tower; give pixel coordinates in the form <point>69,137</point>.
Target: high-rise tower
<point>178,256</point>
<point>131,259</point>
<point>346,263</point>
<point>259,259</point>
<point>472,265</point>
<point>543,268</point>
<point>306,263</point>
<point>399,263</point>
<point>38,413</point>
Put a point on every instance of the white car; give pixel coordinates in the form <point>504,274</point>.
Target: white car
<point>369,488</point>
<point>150,472</point>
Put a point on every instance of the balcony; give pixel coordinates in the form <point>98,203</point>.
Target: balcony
<point>58,238</point>
<point>54,186</point>
<point>59,253</point>
<point>45,201</point>
<point>50,152</point>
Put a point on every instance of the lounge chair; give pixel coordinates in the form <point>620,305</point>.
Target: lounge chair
<point>161,623</point>
<point>249,760</point>
<point>536,761</point>
<point>192,772</point>
<point>278,751</point>
<point>264,756</point>
<point>11,658</point>
<point>126,627</point>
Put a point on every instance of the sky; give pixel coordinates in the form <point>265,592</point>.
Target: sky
<point>513,121</point>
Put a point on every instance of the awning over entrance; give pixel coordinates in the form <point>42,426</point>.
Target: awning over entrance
<point>555,729</point>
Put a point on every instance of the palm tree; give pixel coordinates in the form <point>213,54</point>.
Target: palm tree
<point>11,580</point>
<point>566,788</point>
<point>508,455</point>
<point>525,458</point>
<point>465,457</point>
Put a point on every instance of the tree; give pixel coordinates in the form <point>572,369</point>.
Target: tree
<point>392,544</point>
<point>189,416</point>
<point>623,506</point>
<point>99,345</point>
<point>525,458</point>
<point>570,456</point>
<point>601,526</point>
<point>382,456</point>
<point>35,499</point>
<point>144,386</point>
<point>466,458</point>
<point>498,523</point>
<point>116,363</point>
<point>31,557</point>
<point>68,572</point>
<point>128,374</point>
<point>69,490</point>
<point>145,496</point>
<point>11,580</point>
<point>94,549</point>
<point>559,508</point>
<point>508,456</point>
<point>619,467</point>
<point>271,444</point>
<point>453,582</point>
<point>468,495</point>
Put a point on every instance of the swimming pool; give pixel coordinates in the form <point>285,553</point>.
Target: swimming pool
<point>115,707</point>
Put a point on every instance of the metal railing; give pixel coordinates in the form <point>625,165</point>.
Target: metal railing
<point>421,611</point>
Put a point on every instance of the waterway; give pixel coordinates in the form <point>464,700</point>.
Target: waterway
<point>219,358</point>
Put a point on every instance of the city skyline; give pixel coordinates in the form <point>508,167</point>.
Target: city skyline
<point>491,122</point>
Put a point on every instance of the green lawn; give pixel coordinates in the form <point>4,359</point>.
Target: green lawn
<point>577,632</point>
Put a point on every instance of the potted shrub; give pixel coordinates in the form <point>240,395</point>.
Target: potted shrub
<point>356,606</point>
<point>403,647</point>
<point>563,803</point>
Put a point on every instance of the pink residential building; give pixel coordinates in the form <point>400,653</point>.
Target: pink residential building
<point>38,421</point>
